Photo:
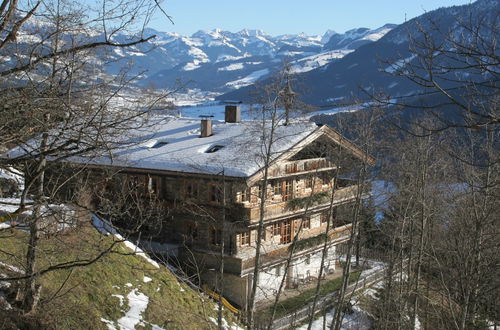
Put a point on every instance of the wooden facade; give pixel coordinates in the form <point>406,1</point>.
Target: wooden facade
<point>207,211</point>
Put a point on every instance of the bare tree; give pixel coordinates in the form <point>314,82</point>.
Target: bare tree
<point>445,175</point>
<point>56,104</point>
<point>456,69</point>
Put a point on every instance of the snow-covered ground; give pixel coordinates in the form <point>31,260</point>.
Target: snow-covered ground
<point>315,61</point>
<point>248,80</point>
<point>107,229</point>
<point>359,318</point>
<point>16,176</point>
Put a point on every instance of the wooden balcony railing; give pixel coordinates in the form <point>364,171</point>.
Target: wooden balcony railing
<point>338,234</point>
<point>301,166</point>
<point>251,213</point>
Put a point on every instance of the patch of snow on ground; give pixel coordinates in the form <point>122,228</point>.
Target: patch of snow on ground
<point>129,285</point>
<point>147,279</point>
<point>400,64</point>
<point>359,320</point>
<point>248,80</point>
<point>9,205</point>
<point>109,324</point>
<point>232,67</point>
<point>140,252</point>
<point>105,228</point>
<point>137,302</point>
<point>11,268</point>
<point>376,35</point>
<point>312,62</point>
<point>120,297</point>
<point>11,173</point>
<point>4,284</point>
<point>225,325</point>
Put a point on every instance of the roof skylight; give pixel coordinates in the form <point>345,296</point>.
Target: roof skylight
<point>214,148</point>
<point>159,144</point>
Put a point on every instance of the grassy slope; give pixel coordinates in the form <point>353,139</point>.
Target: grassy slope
<point>80,297</point>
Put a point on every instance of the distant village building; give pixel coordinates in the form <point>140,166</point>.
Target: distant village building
<point>209,174</point>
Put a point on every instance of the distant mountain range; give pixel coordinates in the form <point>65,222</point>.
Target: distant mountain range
<point>221,61</point>
<point>209,62</point>
<point>368,68</point>
<point>331,69</point>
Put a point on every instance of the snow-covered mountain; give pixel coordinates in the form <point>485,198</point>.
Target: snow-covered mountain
<point>221,61</point>
<point>212,61</point>
<point>365,59</point>
<point>356,38</point>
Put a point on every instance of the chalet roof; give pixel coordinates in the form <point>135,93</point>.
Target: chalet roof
<point>174,145</point>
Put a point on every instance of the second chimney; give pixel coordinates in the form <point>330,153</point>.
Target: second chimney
<point>206,127</point>
<point>232,114</point>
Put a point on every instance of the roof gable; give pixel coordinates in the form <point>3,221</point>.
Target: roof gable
<point>321,132</point>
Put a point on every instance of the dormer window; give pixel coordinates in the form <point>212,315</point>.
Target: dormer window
<point>214,148</point>
<point>159,144</point>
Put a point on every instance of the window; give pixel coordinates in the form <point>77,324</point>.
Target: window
<point>192,190</point>
<point>276,229</point>
<point>257,191</point>
<point>215,194</point>
<point>309,182</point>
<point>245,195</point>
<point>308,260</point>
<point>277,187</point>
<point>288,190</point>
<point>245,238</point>
<point>213,149</point>
<point>167,188</point>
<point>306,223</point>
<point>277,270</point>
<point>324,217</point>
<point>286,232</point>
<point>215,236</point>
<point>133,182</point>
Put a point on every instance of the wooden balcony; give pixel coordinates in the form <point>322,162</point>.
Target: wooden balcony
<point>305,166</point>
<point>273,210</point>
<point>336,235</point>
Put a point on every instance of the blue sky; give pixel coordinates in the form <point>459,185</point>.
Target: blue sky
<point>290,16</point>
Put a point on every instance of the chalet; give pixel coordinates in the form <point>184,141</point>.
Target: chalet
<point>210,175</point>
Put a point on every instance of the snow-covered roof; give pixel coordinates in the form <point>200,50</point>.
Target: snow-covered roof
<point>174,144</point>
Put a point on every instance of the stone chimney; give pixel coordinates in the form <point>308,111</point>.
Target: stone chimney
<point>206,126</point>
<point>232,114</point>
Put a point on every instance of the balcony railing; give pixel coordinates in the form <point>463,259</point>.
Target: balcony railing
<point>272,210</point>
<point>301,166</point>
<point>336,235</point>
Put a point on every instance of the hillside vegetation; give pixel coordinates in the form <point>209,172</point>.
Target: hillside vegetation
<point>121,290</point>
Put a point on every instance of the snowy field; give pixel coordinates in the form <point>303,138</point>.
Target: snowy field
<point>217,111</point>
